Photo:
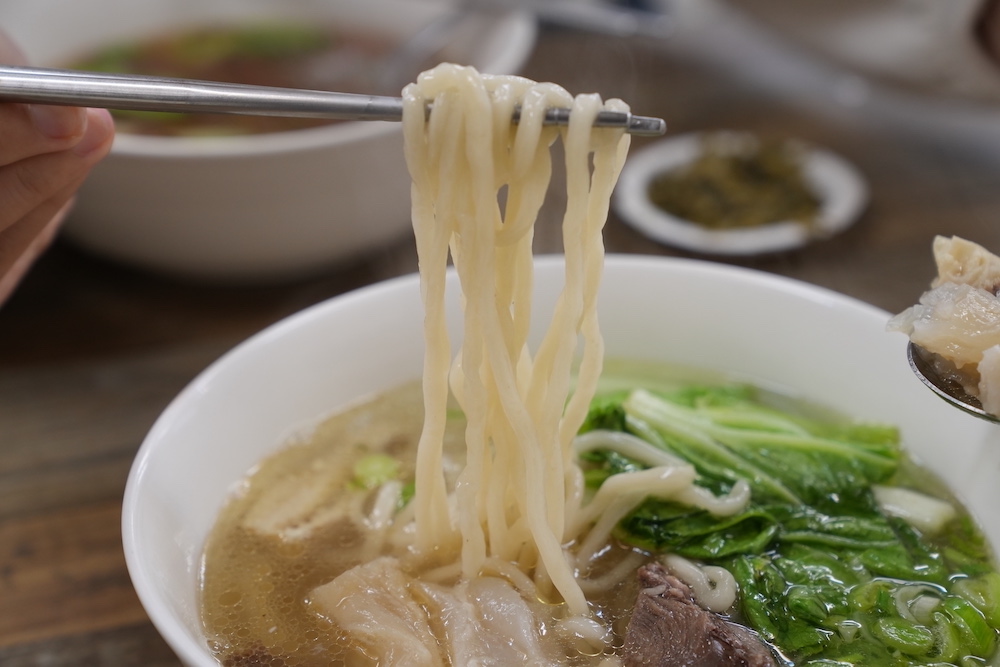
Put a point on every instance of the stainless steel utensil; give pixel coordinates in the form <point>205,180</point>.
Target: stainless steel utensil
<point>946,388</point>
<point>148,93</point>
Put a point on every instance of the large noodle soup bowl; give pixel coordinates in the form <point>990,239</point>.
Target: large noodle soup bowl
<point>785,335</point>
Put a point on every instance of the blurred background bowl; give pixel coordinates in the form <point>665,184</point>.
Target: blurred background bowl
<point>786,335</point>
<point>251,208</point>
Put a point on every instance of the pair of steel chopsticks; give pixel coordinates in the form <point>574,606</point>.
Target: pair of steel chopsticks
<point>148,93</point>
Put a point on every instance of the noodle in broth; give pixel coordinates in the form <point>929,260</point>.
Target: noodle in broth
<point>519,491</point>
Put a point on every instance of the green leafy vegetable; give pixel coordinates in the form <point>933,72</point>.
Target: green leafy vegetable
<point>984,593</point>
<point>665,526</point>
<point>727,435</point>
<point>374,470</point>
<point>824,575</point>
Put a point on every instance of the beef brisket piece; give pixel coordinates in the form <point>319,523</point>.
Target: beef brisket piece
<point>669,629</point>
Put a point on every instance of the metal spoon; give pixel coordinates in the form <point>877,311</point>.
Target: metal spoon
<point>946,388</point>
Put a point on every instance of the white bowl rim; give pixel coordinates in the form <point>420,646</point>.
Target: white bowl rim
<point>842,189</point>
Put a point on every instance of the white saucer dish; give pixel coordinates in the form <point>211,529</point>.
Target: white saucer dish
<point>841,189</point>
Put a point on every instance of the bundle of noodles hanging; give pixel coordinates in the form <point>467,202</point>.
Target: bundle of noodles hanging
<point>520,491</point>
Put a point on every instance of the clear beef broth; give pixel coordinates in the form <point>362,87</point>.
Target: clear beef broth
<point>256,585</point>
<point>268,54</point>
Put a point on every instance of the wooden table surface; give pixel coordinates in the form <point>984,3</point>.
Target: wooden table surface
<point>91,351</point>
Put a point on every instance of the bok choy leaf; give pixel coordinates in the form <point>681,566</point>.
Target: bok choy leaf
<point>824,574</point>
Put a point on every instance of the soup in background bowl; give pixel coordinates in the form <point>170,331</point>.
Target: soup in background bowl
<point>275,53</point>
<point>790,337</point>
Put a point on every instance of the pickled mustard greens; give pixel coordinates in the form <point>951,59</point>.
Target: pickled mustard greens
<point>738,184</point>
<point>827,575</point>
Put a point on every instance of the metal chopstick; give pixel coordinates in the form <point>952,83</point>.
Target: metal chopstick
<point>149,93</point>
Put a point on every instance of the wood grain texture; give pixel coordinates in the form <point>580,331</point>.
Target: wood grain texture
<point>64,574</point>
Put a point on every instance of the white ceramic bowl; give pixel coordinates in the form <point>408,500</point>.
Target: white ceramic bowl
<point>777,332</point>
<point>247,208</point>
<point>841,190</point>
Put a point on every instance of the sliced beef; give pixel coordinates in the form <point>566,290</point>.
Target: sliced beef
<point>669,629</point>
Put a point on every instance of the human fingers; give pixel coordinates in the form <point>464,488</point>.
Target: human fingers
<point>27,184</point>
<point>23,242</point>
<point>27,130</point>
